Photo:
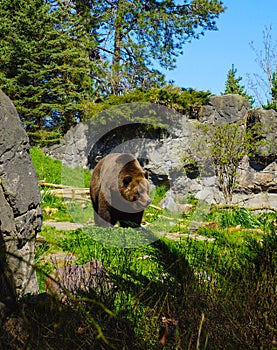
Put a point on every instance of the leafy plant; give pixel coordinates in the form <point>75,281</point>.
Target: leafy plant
<point>234,217</point>
<point>224,146</point>
<point>227,144</point>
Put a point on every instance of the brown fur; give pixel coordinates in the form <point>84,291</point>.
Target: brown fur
<point>119,191</point>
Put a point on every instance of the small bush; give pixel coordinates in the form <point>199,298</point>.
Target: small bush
<point>181,100</point>
<point>233,217</point>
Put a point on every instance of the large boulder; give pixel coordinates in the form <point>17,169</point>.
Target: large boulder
<point>20,213</point>
<point>256,188</point>
<point>224,109</point>
<point>264,125</point>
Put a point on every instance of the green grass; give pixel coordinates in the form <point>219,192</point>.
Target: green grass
<point>232,217</point>
<point>227,280</point>
<point>46,168</point>
<point>54,171</point>
<point>231,281</point>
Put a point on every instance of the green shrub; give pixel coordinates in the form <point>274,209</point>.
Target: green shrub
<point>233,217</point>
<point>181,100</point>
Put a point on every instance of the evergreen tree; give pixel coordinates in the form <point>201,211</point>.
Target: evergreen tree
<point>273,103</point>
<point>135,38</point>
<point>56,56</point>
<point>43,65</point>
<point>274,88</point>
<point>233,86</point>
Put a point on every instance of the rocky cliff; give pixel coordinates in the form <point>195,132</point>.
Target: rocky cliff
<point>20,214</point>
<point>161,151</point>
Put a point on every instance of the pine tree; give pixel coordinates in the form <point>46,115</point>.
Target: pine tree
<point>56,56</point>
<point>273,103</point>
<point>233,86</point>
<point>137,38</point>
<point>44,65</point>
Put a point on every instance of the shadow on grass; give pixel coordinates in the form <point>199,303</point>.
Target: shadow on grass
<point>155,281</point>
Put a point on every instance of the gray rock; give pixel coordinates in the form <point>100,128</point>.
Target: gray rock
<point>266,122</point>
<point>169,203</point>
<point>225,109</point>
<point>20,213</point>
<point>161,152</point>
<point>256,188</point>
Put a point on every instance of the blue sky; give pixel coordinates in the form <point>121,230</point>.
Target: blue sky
<point>205,62</point>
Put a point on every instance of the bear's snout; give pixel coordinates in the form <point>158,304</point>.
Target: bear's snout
<point>143,202</point>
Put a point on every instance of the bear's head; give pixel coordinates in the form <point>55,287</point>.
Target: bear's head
<point>134,188</point>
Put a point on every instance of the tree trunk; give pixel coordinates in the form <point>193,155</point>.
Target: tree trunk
<point>118,36</point>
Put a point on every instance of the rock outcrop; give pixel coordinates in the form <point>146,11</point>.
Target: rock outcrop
<point>225,108</point>
<point>265,122</point>
<point>161,153</point>
<point>20,213</point>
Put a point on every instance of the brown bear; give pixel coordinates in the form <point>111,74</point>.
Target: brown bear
<point>119,191</point>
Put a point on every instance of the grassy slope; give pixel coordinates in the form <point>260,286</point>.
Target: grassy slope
<point>231,281</point>
<point>54,171</point>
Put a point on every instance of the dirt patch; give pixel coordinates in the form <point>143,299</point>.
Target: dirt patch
<point>176,236</point>
<point>64,225</point>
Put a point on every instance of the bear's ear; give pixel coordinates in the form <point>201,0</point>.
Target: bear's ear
<point>146,174</point>
<point>127,179</point>
<point>124,158</point>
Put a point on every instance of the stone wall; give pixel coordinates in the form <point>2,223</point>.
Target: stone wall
<point>20,213</point>
<point>161,154</point>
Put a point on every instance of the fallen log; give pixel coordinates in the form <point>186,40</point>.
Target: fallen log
<point>69,194</point>
<point>43,183</point>
<point>155,207</point>
<point>234,206</point>
<point>76,191</point>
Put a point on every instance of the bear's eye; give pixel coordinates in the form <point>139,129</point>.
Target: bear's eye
<point>127,180</point>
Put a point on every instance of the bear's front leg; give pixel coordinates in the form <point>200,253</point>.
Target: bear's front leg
<point>103,219</point>
<point>103,214</point>
<point>131,220</point>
